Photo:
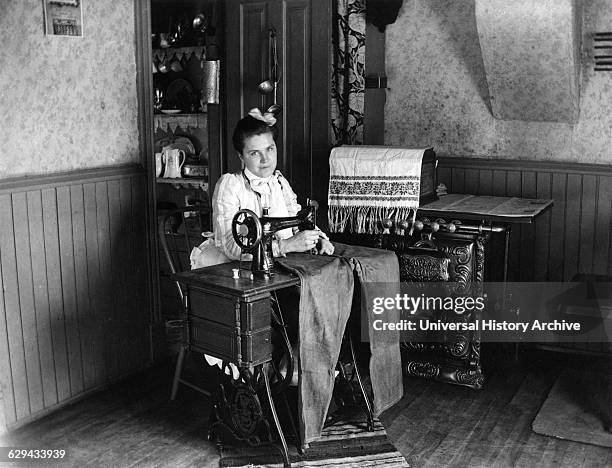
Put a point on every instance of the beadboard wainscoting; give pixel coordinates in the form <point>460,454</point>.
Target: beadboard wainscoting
<point>573,237</point>
<point>75,301</point>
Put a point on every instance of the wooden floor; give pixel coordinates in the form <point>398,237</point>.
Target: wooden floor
<point>435,425</point>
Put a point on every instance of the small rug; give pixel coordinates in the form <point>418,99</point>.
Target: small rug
<point>574,409</point>
<point>345,443</point>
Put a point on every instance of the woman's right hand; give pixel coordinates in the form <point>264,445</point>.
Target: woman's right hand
<point>303,241</point>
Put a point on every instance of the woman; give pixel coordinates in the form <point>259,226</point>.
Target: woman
<point>257,186</point>
<point>325,296</point>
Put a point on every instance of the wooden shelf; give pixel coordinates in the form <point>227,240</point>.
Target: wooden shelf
<point>180,114</point>
<point>179,50</point>
<point>184,182</point>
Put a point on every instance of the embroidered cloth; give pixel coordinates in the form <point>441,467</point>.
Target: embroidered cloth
<point>370,183</point>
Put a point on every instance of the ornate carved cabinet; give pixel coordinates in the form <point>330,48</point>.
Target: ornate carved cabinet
<point>456,359</point>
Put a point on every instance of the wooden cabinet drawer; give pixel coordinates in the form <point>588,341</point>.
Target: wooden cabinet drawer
<point>222,341</point>
<point>220,309</point>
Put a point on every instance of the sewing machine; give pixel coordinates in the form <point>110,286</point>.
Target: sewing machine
<point>254,234</point>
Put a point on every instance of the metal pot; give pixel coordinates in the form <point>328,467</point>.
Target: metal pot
<point>195,170</point>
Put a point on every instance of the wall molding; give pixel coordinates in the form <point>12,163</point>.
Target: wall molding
<point>60,179</point>
<point>520,164</point>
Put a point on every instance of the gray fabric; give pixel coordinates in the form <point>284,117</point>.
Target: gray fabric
<point>379,266</point>
<point>326,293</point>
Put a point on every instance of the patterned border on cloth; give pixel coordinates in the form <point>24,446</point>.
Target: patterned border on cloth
<point>368,184</point>
<point>379,189</point>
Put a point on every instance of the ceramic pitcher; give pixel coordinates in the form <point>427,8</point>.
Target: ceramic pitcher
<point>174,160</point>
<point>158,164</point>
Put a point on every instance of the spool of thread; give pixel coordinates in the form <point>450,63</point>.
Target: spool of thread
<point>235,273</point>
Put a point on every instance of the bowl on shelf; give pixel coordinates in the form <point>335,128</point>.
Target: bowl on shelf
<point>171,111</point>
<point>195,170</point>
<point>180,94</point>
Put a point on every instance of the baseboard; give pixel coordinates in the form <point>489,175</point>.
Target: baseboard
<point>563,349</point>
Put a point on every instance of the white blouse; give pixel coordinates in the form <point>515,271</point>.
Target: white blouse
<point>243,190</point>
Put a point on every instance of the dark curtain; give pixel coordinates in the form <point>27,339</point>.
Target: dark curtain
<point>348,74</point>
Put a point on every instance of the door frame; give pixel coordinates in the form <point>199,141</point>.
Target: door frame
<point>146,145</point>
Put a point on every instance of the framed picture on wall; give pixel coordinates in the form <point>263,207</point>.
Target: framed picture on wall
<point>63,17</point>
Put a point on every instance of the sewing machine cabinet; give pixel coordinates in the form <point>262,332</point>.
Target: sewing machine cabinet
<point>229,315</point>
<point>230,328</point>
<point>230,318</point>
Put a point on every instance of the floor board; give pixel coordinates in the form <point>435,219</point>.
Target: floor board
<point>133,423</point>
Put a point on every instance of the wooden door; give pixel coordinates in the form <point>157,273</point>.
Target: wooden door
<point>247,24</point>
<point>303,38</point>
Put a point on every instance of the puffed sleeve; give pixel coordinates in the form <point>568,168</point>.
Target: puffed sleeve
<point>225,204</point>
<point>289,195</point>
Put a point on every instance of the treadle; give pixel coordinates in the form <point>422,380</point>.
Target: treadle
<point>238,417</point>
<point>349,390</point>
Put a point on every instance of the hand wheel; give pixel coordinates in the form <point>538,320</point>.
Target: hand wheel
<point>246,229</point>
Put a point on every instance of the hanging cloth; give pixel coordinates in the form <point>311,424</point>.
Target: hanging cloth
<point>348,75</point>
<point>370,183</point>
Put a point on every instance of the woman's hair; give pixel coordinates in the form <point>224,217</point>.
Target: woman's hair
<point>248,127</point>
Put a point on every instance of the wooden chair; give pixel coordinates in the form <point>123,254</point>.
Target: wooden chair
<point>179,230</point>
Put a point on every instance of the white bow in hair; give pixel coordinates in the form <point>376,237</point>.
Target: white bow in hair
<point>267,117</point>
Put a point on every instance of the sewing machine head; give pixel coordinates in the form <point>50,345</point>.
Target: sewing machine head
<point>254,234</point>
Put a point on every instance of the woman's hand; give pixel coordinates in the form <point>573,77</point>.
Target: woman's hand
<point>325,247</point>
<point>303,241</point>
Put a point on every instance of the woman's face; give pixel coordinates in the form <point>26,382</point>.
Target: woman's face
<point>259,154</point>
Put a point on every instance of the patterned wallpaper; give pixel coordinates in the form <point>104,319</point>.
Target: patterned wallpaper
<point>439,95</point>
<point>68,102</point>
<point>531,54</point>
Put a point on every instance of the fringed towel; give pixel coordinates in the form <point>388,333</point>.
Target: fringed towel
<point>370,183</point>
